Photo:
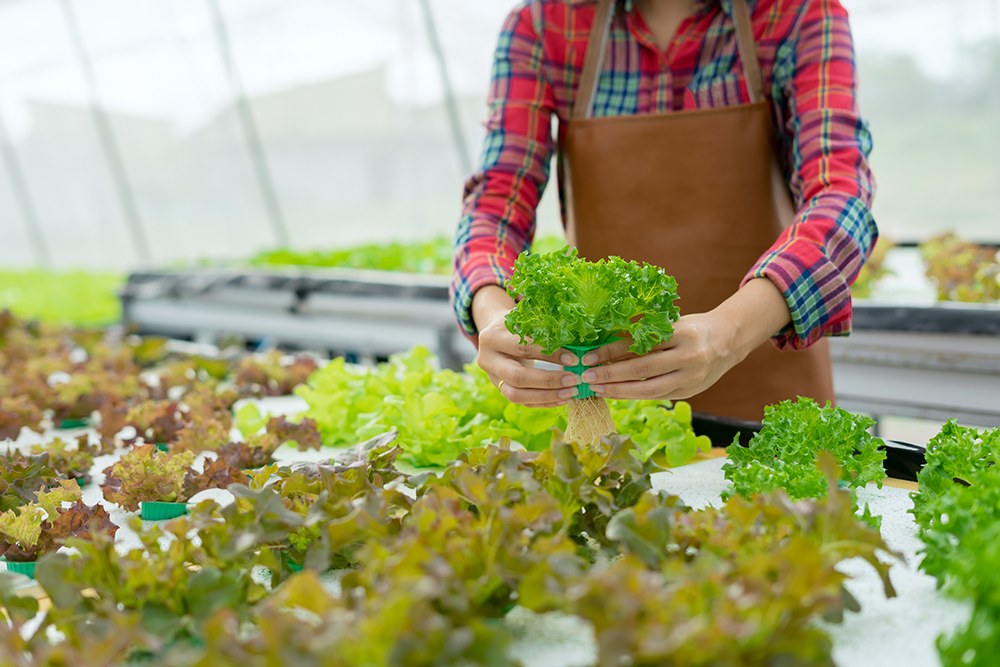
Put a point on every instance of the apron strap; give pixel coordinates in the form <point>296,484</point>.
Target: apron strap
<point>586,91</point>
<point>593,63</point>
<point>748,51</point>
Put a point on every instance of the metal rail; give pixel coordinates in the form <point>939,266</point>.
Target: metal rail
<point>454,118</point>
<point>109,144</point>
<point>255,146</point>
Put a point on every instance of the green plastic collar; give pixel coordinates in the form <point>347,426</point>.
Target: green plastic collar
<point>162,511</point>
<point>21,568</point>
<point>580,351</point>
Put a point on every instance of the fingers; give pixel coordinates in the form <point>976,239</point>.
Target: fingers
<point>651,365</point>
<point>608,353</point>
<point>617,351</point>
<point>661,388</point>
<point>535,397</point>
<point>656,376</point>
<point>499,339</point>
<point>519,380</point>
<point>518,374</point>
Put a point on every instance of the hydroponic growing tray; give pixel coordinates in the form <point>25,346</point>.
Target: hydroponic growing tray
<point>927,361</point>
<point>903,460</point>
<point>892,631</point>
<point>364,313</point>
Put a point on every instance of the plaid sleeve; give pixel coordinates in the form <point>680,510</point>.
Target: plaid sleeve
<point>498,215</point>
<point>815,261</point>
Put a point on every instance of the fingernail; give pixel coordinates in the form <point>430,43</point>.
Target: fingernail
<point>590,359</point>
<point>590,376</point>
<point>568,393</point>
<point>562,404</point>
<point>597,389</point>
<point>571,380</point>
<point>569,359</point>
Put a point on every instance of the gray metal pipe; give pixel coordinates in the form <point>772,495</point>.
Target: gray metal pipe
<point>255,146</point>
<point>458,135</point>
<point>109,145</point>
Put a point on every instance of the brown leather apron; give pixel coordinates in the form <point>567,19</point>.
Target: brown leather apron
<point>698,193</point>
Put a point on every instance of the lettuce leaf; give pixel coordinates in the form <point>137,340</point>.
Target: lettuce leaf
<point>438,414</point>
<point>34,528</point>
<point>22,477</point>
<point>145,475</point>
<point>72,461</point>
<point>654,427</point>
<point>256,452</point>
<point>218,474</point>
<point>303,433</point>
<point>958,513</point>
<point>783,455</point>
<point>566,300</point>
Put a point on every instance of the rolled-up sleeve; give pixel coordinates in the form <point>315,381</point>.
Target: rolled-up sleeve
<point>498,214</point>
<point>815,261</point>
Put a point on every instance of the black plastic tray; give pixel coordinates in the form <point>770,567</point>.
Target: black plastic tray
<point>943,318</point>
<point>903,460</point>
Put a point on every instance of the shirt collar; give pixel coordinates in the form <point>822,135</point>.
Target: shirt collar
<point>700,5</point>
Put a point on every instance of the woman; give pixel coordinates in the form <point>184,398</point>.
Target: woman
<point>684,126</point>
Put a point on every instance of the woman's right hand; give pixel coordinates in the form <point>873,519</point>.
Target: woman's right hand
<point>506,360</point>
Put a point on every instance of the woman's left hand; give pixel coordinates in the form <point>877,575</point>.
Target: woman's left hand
<point>703,348</point>
<point>699,353</point>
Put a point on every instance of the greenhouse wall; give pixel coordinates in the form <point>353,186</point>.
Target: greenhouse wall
<point>348,103</point>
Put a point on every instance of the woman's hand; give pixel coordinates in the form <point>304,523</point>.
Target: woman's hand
<point>703,348</point>
<point>505,360</point>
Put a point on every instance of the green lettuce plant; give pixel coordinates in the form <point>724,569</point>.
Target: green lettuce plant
<point>783,455</point>
<point>439,414</point>
<point>22,477</point>
<point>433,257</point>
<point>42,526</point>
<point>566,300</point>
<point>144,474</point>
<point>958,513</point>
<point>71,460</point>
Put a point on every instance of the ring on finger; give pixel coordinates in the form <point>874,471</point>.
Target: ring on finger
<point>500,386</point>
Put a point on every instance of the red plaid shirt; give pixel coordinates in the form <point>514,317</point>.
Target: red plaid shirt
<point>807,55</point>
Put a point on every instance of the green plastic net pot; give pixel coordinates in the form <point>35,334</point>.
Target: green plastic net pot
<point>20,568</point>
<point>162,447</point>
<point>293,567</point>
<point>162,511</point>
<point>580,351</point>
<point>67,424</point>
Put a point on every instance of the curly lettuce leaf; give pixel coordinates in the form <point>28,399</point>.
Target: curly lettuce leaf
<point>566,300</point>
<point>202,434</point>
<point>17,412</point>
<point>22,477</point>
<point>249,420</point>
<point>958,514</point>
<point>23,526</point>
<point>783,455</point>
<point>303,434</point>
<point>256,452</point>
<point>218,474</point>
<point>145,475</point>
<point>71,460</point>
<point>438,414</point>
